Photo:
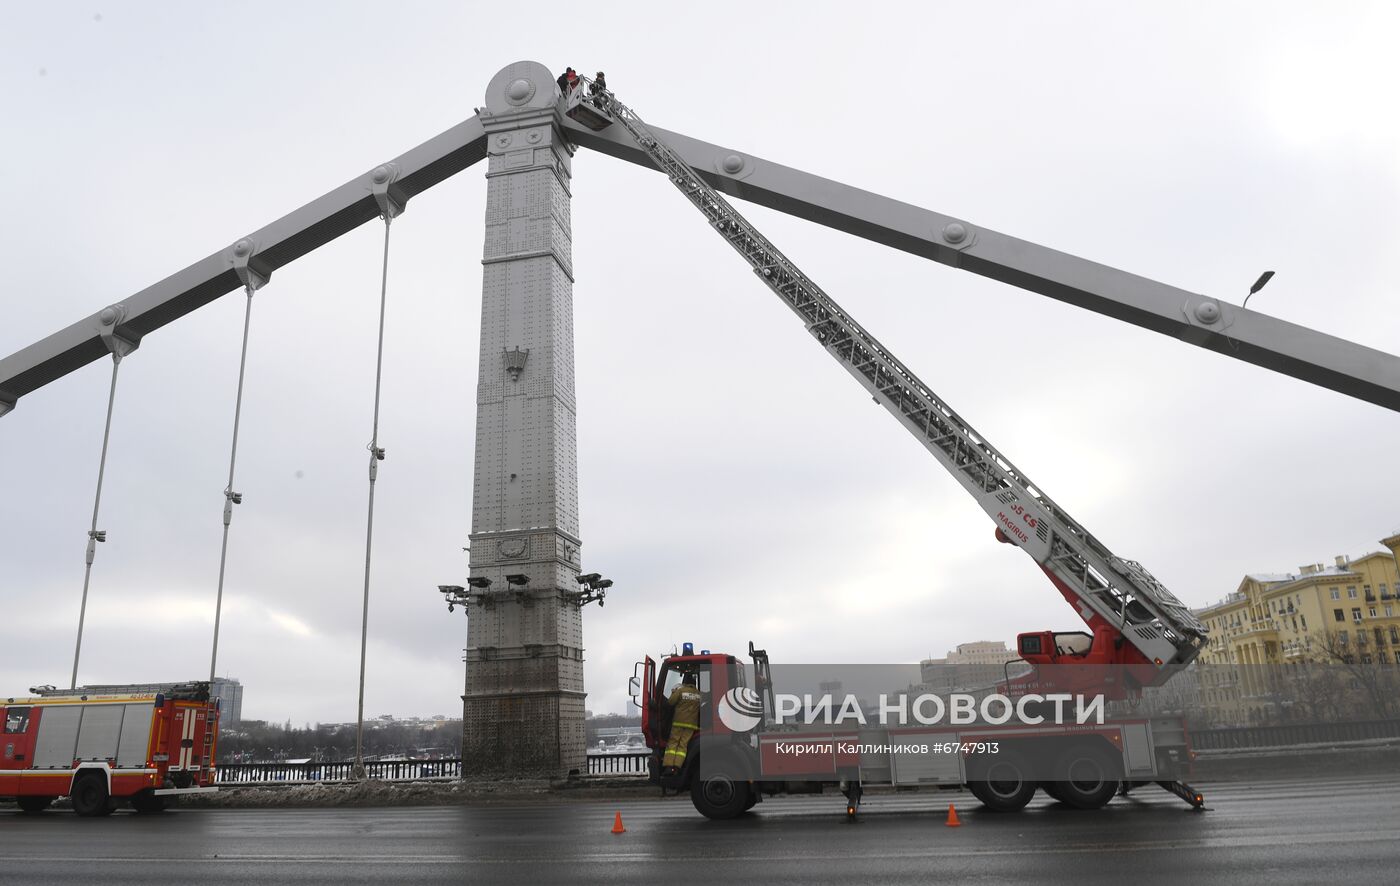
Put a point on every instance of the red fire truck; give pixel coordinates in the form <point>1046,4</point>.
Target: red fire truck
<point>106,750</point>
<point>1140,634</point>
<point>741,753</point>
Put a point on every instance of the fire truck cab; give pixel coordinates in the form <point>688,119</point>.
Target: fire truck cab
<point>717,675</point>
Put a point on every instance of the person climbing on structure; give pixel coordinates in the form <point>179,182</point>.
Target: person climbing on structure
<point>685,719</point>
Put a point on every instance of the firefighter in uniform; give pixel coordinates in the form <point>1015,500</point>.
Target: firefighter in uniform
<point>685,719</point>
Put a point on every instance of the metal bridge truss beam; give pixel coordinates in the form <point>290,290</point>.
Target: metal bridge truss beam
<point>1325,360</point>
<point>1219,326</point>
<point>359,200</point>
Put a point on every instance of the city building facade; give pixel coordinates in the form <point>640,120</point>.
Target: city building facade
<point>970,666</point>
<point>1346,613</point>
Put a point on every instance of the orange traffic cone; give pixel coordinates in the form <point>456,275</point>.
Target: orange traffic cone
<point>953,817</point>
<point>617,824</point>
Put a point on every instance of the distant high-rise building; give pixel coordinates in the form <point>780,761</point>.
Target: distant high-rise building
<point>229,692</point>
<point>970,666</point>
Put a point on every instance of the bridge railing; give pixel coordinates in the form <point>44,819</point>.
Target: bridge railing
<point>634,763</point>
<point>397,770</point>
<point>1286,734</point>
<point>386,770</point>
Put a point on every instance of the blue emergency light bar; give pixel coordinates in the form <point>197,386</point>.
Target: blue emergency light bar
<point>687,649</point>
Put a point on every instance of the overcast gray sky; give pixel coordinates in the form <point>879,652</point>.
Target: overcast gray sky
<point>735,482</point>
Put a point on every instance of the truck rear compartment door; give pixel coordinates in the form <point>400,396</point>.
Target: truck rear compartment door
<point>135,740</point>
<point>58,737</point>
<point>99,731</point>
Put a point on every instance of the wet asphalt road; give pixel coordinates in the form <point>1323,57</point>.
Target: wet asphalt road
<point>1337,831</point>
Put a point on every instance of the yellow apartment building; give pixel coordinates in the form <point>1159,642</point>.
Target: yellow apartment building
<point>1350,608</point>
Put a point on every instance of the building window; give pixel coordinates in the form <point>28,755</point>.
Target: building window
<point>1397,657</point>
<point>1336,593</point>
<point>1356,614</point>
<point>1394,635</point>
<point>1342,638</point>
<point>1304,620</point>
<point>1351,592</point>
<point>1389,610</point>
<point>1337,613</point>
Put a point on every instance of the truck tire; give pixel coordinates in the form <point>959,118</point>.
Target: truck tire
<point>147,803</point>
<point>90,796</point>
<point>1089,777</point>
<point>719,796</point>
<point>1001,782</point>
<point>34,804</point>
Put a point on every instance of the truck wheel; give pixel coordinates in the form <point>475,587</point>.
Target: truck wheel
<point>1089,780</point>
<point>719,796</point>
<point>90,796</point>
<point>34,804</point>
<point>147,803</point>
<point>1001,783</point>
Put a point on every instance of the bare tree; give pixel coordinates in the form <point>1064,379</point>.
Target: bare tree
<point>1375,679</point>
<point>1318,692</point>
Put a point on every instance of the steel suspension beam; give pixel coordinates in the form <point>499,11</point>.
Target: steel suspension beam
<point>1220,326</point>
<point>1325,360</point>
<point>260,253</point>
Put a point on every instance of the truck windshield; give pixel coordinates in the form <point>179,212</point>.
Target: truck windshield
<point>672,678</point>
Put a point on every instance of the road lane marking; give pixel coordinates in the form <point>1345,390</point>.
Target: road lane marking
<point>611,857</point>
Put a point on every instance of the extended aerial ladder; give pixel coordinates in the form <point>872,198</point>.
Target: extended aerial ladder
<point>1115,596</point>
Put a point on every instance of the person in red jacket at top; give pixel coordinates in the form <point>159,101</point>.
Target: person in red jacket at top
<point>567,81</point>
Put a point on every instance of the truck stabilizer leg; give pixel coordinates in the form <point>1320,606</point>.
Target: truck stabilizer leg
<point>1194,798</point>
<point>852,792</point>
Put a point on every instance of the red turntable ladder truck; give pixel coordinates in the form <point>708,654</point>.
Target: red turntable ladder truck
<point>731,766</point>
<point>1139,632</point>
<point>107,750</point>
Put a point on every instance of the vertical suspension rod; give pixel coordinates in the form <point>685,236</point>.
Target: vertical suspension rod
<point>376,455</point>
<point>231,498</point>
<point>94,536</point>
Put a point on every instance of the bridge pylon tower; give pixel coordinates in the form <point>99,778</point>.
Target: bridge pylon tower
<point>523,705</point>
